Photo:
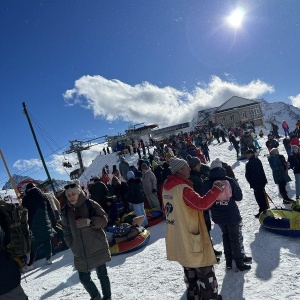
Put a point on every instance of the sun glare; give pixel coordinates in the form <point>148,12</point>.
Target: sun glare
<point>236,18</point>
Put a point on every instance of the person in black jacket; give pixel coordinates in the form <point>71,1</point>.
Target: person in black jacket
<point>195,177</point>
<point>257,179</point>
<point>136,196</point>
<point>10,276</point>
<point>271,143</point>
<point>41,221</point>
<point>294,161</point>
<point>99,192</point>
<point>226,214</point>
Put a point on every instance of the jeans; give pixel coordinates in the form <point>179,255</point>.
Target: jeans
<point>231,243</point>
<point>89,285</point>
<point>140,211</point>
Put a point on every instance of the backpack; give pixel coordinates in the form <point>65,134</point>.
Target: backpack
<point>122,230</point>
<point>226,194</point>
<point>14,222</point>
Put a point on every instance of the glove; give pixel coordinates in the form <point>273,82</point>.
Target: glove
<point>219,185</point>
<point>154,191</point>
<point>83,222</point>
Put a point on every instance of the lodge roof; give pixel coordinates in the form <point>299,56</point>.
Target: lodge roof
<point>235,102</point>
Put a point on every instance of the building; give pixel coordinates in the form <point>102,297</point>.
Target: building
<point>161,133</point>
<point>236,111</point>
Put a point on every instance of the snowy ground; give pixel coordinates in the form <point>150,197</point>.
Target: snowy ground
<point>146,274</point>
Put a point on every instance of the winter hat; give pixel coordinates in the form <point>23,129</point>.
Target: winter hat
<point>73,187</point>
<point>144,166</point>
<point>193,161</point>
<point>130,175</point>
<point>96,178</point>
<point>176,164</point>
<point>294,147</point>
<point>217,163</point>
<point>29,187</point>
<point>274,151</point>
<point>154,164</point>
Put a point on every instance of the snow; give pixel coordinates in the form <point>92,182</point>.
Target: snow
<point>146,274</point>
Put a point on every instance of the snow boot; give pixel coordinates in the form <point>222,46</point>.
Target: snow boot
<point>243,268</point>
<point>217,253</point>
<point>228,265</point>
<point>247,259</point>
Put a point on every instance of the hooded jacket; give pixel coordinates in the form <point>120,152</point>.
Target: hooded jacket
<point>88,244</point>
<point>41,217</point>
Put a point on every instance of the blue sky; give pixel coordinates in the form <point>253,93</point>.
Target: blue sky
<point>90,68</point>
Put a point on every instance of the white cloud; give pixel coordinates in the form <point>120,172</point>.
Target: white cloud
<point>55,163</point>
<point>145,102</point>
<point>295,100</point>
<point>25,164</point>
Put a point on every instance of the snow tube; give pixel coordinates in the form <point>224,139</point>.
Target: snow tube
<point>281,221</point>
<point>131,245</point>
<point>154,216</point>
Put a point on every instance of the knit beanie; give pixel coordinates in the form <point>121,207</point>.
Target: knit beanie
<point>73,187</point>
<point>193,161</point>
<point>29,187</point>
<point>130,175</point>
<point>176,164</point>
<point>217,163</point>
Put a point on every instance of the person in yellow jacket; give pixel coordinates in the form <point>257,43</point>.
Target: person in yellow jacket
<point>187,238</point>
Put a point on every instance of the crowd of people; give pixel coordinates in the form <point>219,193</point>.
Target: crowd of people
<point>174,177</point>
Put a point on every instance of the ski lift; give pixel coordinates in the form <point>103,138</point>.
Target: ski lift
<point>66,164</point>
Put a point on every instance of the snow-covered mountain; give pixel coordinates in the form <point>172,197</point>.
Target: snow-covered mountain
<point>18,178</point>
<point>278,112</point>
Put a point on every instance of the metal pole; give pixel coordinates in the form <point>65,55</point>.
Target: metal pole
<point>38,147</point>
<point>10,178</point>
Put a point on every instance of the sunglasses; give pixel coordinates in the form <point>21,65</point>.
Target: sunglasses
<point>70,186</point>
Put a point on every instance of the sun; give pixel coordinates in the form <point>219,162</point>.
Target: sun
<point>236,18</point>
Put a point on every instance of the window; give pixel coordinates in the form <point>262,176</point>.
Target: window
<point>231,117</point>
<point>244,114</point>
<point>222,119</point>
<point>255,111</point>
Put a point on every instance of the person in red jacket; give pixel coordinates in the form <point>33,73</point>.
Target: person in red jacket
<point>187,238</point>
